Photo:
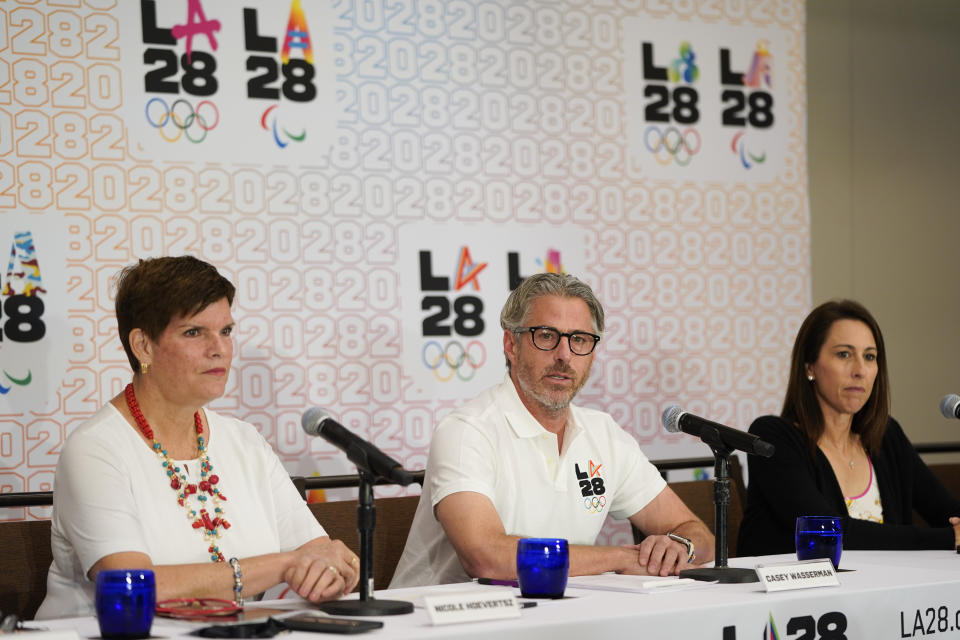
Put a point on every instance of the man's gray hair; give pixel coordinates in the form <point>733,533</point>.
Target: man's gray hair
<point>514,314</point>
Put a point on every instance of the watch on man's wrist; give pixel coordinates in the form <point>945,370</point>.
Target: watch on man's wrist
<point>687,542</point>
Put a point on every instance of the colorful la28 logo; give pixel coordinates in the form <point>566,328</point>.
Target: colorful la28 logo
<point>199,77</point>
<point>275,71</point>
<point>467,309</point>
<point>22,309</point>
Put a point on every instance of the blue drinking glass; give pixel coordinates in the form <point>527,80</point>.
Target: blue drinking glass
<point>125,602</point>
<point>819,537</point>
<point>543,565</point>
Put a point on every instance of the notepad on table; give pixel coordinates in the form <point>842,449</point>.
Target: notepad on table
<point>635,584</point>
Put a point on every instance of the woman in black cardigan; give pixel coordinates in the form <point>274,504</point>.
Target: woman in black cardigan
<point>838,452</point>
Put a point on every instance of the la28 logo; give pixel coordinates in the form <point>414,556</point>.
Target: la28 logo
<point>679,104</point>
<point>590,486</point>
<point>830,626</point>
<point>744,103</point>
<point>298,73</point>
<point>23,319</point>
<point>467,316</point>
<point>199,67</point>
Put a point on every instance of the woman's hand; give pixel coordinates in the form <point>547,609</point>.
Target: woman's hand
<point>955,521</point>
<point>322,569</point>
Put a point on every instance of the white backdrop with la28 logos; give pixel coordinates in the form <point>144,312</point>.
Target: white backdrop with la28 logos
<point>375,176</point>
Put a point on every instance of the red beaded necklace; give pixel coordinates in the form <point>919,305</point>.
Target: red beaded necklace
<point>210,526</point>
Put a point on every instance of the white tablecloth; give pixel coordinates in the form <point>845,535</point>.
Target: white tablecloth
<point>884,594</point>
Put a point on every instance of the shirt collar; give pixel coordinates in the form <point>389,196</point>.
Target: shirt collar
<point>522,422</point>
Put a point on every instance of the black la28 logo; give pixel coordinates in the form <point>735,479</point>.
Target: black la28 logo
<point>591,484</point>
<point>832,625</point>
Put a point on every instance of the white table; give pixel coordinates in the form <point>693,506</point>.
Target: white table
<point>886,595</point>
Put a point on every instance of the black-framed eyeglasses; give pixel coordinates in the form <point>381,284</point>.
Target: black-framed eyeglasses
<point>581,343</point>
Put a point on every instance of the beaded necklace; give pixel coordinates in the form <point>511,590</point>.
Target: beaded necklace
<point>178,481</point>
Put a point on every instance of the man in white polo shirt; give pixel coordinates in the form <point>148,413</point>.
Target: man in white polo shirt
<point>521,461</point>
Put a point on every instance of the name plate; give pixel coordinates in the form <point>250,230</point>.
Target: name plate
<point>798,575</point>
<point>472,606</point>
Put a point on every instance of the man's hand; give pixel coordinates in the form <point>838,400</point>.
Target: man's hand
<point>656,556</point>
<point>660,555</point>
<point>667,513</point>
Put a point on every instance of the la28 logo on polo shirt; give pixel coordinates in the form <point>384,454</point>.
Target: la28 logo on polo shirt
<point>591,487</point>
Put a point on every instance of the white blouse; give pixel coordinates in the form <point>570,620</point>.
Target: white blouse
<point>866,506</point>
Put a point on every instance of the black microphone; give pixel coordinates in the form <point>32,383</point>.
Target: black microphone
<point>950,406</point>
<point>676,419</point>
<point>367,457</point>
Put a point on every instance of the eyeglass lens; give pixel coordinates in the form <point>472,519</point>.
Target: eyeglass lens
<point>547,339</point>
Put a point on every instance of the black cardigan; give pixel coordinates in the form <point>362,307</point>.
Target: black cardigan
<point>792,483</point>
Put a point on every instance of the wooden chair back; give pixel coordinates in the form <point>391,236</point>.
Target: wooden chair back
<point>393,519</point>
<point>25,558</point>
<point>698,496</point>
<point>949,474</point>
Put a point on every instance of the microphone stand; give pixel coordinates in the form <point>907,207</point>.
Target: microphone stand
<point>367,605</point>
<point>720,572</point>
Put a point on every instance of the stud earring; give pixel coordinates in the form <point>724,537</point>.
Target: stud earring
<point>143,367</point>
<point>810,378</point>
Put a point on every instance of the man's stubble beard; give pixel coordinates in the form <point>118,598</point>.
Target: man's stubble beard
<point>544,397</point>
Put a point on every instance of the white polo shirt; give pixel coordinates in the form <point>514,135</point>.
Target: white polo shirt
<point>494,446</point>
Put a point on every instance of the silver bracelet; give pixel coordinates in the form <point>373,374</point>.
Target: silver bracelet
<point>237,582</point>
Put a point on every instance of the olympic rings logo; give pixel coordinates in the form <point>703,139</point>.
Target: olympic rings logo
<point>454,359</point>
<point>181,122</point>
<point>595,504</point>
<point>671,144</point>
